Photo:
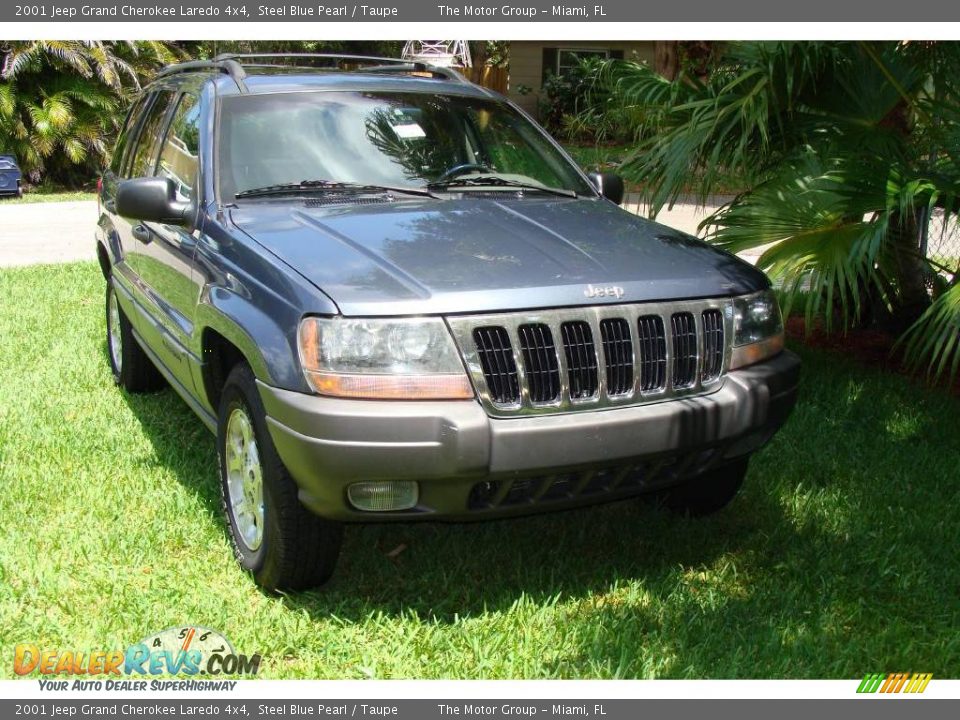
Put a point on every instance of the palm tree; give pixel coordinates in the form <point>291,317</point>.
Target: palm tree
<point>61,101</point>
<point>846,150</point>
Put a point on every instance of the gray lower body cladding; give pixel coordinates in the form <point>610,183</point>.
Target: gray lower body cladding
<point>470,466</point>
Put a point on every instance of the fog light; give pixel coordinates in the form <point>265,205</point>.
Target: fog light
<point>383,496</point>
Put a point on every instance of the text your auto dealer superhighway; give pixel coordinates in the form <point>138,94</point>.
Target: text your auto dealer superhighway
<point>131,11</point>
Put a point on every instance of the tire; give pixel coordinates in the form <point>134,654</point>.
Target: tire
<point>132,369</point>
<point>284,546</point>
<point>708,493</point>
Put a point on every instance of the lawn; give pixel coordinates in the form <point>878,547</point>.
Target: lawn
<point>48,197</point>
<point>839,558</point>
<point>606,158</point>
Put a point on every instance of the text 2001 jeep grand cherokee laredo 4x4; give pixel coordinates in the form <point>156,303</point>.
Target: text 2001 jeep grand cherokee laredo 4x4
<point>394,297</point>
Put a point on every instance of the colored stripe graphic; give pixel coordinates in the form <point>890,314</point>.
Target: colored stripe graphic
<point>894,683</point>
<point>870,683</point>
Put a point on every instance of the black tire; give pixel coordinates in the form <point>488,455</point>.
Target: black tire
<point>132,369</point>
<point>296,549</point>
<point>707,493</point>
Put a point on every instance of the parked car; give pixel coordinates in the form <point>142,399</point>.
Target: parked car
<point>393,297</point>
<point>10,176</point>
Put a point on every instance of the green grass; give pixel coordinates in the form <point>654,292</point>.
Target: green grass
<point>839,558</point>
<point>594,157</point>
<point>48,197</point>
<point>606,158</point>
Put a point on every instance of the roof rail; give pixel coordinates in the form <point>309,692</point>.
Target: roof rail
<point>224,65</point>
<point>379,64</point>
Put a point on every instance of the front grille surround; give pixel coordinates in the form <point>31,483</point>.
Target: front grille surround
<point>598,320</point>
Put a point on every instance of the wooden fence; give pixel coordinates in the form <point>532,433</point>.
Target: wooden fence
<point>494,78</point>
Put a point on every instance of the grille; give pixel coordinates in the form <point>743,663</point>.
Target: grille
<point>683,331</point>
<point>712,344</point>
<point>594,357</point>
<point>499,367</point>
<point>581,359</point>
<point>540,362</point>
<point>653,353</point>
<point>618,355</point>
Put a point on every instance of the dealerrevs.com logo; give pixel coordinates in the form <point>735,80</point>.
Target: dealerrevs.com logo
<point>189,651</point>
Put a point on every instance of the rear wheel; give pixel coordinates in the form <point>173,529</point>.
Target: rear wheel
<point>284,546</point>
<point>707,493</point>
<point>132,369</point>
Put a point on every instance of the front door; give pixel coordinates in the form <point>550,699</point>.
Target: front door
<point>165,262</point>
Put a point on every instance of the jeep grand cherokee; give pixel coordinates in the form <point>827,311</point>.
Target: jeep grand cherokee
<point>392,296</point>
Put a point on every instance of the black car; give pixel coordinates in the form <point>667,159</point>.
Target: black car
<point>10,176</point>
<point>393,297</point>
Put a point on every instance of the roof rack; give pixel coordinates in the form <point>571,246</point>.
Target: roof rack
<point>225,65</point>
<point>380,64</point>
<point>235,64</point>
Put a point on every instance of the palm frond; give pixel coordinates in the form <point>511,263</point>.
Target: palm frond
<point>934,339</point>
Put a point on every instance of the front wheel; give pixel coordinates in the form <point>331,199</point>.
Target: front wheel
<point>279,541</point>
<point>707,493</point>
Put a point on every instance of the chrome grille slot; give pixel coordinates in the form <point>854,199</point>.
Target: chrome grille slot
<point>683,337</point>
<point>499,367</point>
<point>712,345</point>
<point>581,355</point>
<point>618,355</point>
<point>653,353</point>
<point>540,363</point>
<point>573,359</point>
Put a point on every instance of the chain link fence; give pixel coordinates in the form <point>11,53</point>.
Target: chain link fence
<point>941,242</point>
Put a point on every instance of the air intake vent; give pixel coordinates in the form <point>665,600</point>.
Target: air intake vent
<point>352,199</point>
<point>581,359</point>
<point>618,350</point>
<point>499,368</point>
<point>653,353</point>
<point>712,344</point>
<point>683,331</point>
<point>540,362</point>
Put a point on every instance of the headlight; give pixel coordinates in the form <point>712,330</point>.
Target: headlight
<point>406,359</point>
<point>757,329</point>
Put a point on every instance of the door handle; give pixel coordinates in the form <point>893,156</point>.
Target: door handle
<point>141,233</point>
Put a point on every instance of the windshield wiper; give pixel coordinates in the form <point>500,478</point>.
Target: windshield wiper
<point>494,181</point>
<point>312,186</point>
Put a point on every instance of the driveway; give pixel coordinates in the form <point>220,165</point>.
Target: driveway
<point>47,232</point>
<point>63,231</point>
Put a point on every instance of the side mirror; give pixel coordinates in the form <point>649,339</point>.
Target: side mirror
<point>153,199</point>
<point>609,185</point>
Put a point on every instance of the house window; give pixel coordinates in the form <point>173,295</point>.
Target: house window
<point>570,59</point>
<point>557,61</point>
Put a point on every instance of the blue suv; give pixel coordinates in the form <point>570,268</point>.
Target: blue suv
<point>393,297</point>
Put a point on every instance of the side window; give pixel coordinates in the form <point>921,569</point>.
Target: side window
<point>181,147</point>
<point>145,155</point>
<point>126,132</point>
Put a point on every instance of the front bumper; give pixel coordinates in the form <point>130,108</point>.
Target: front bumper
<point>471,466</point>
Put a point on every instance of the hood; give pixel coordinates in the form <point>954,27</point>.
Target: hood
<point>483,254</point>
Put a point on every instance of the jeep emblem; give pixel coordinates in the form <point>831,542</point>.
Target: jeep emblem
<point>593,291</point>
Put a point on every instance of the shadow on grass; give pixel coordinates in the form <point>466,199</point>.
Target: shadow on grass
<point>825,561</point>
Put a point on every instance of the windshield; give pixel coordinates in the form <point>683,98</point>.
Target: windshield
<point>382,139</point>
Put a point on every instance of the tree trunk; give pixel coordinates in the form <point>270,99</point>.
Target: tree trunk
<point>666,58</point>
<point>913,273</point>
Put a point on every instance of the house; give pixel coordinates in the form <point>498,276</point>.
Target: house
<point>532,61</point>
